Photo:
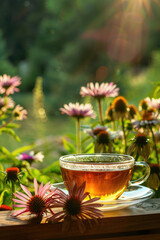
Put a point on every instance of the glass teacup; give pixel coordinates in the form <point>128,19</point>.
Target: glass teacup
<point>106,175</point>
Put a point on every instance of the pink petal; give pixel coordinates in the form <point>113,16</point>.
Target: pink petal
<point>18,212</point>
<point>25,189</point>
<point>23,195</point>
<point>19,205</point>
<point>18,196</point>
<point>91,200</point>
<point>40,188</point>
<point>18,201</point>
<point>35,186</point>
<point>81,190</point>
<point>45,189</point>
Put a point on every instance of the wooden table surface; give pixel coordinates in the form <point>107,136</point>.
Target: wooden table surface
<point>141,221</point>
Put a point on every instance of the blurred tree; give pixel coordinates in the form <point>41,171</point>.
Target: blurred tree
<point>65,42</point>
<point>19,21</point>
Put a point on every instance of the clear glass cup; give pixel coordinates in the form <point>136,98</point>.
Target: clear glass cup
<point>106,175</point>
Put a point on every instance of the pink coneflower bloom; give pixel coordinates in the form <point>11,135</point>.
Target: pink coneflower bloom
<point>6,103</point>
<point>78,110</point>
<point>34,204</point>
<point>9,85</point>
<point>153,103</point>
<point>100,90</point>
<point>31,157</point>
<point>74,207</point>
<point>145,123</point>
<point>19,113</point>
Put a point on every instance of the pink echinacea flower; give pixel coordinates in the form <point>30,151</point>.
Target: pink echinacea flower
<point>9,85</point>
<point>78,110</point>
<point>75,207</point>
<point>33,204</point>
<point>100,90</point>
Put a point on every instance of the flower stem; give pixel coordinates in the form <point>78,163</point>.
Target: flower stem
<point>5,124</point>
<point>137,156</point>
<point>13,191</point>
<point>155,146</point>
<point>100,111</point>
<point>124,134</point>
<point>78,136</point>
<point>114,126</point>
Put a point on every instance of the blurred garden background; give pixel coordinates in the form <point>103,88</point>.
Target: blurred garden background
<point>58,46</point>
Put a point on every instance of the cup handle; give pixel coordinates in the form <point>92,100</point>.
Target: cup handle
<point>145,176</point>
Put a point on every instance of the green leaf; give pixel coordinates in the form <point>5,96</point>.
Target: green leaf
<point>157,92</point>
<point>44,179</point>
<point>7,159</point>
<point>1,167</point>
<point>86,139</point>
<point>55,167</point>
<point>4,151</point>
<point>23,149</point>
<point>13,125</point>
<point>71,136</point>
<point>1,197</point>
<point>56,178</point>
<point>89,148</point>
<point>10,132</point>
<point>7,198</point>
<point>68,146</point>
<point>36,173</point>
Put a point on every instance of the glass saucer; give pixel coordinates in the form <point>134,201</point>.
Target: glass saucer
<point>131,196</point>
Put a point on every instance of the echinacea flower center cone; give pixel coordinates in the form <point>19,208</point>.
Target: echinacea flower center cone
<point>143,104</point>
<point>36,204</point>
<point>97,131</point>
<point>141,139</point>
<point>12,173</point>
<point>73,206</point>
<point>120,105</point>
<point>132,111</point>
<point>6,85</point>
<point>103,137</point>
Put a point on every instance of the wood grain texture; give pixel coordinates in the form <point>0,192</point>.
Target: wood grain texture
<point>139,222</point>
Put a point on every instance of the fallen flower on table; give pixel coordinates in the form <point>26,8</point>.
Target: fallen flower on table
<point>75,208</point>
<point>37,204</point>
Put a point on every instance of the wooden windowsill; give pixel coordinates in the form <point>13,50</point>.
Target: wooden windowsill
<point>141,221</point>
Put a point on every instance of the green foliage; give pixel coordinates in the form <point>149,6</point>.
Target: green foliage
<point>22,149</point>
<point>69,146</point>
<point>10,132</point>
<point>67,56</point>
<point>52,168</point>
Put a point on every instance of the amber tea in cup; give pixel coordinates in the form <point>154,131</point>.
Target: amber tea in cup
<point>106,175</point>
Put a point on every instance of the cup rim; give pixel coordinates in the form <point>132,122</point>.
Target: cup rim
<point>128,158</point>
